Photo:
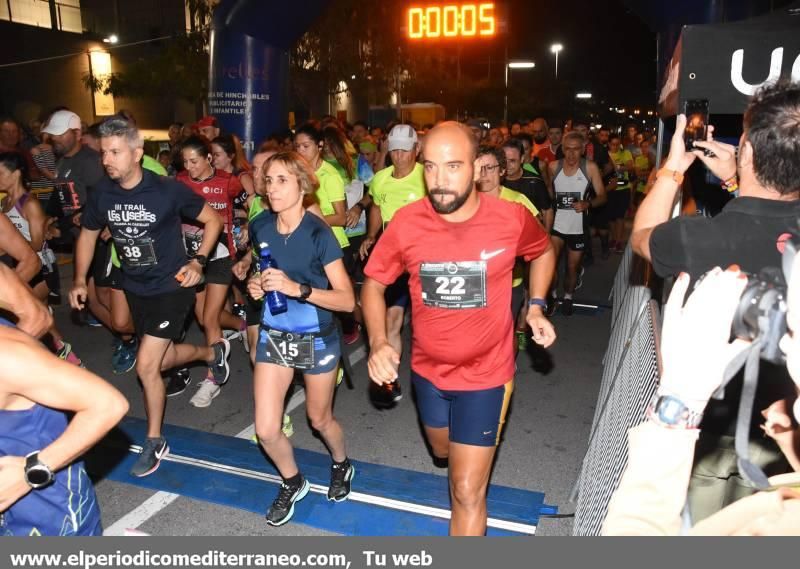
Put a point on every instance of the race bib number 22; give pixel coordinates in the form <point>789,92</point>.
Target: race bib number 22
<point>454,285</point>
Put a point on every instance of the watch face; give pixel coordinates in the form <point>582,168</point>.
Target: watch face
<point>671,410</point>
<point>38,476</point>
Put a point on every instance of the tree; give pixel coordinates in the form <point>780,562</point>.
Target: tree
<point>178,68</point>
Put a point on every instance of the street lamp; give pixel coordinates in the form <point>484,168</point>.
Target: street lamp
<point>516,64</point>
<point>555,48</point>
<point>583,96</point>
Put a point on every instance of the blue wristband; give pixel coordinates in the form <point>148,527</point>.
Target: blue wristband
<point>538,302</point>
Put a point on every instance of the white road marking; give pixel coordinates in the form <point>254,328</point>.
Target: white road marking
<point>160,500</point>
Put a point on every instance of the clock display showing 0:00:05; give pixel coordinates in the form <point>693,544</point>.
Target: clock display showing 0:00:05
<point>451,21</point>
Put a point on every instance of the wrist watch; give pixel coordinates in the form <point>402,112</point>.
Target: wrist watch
<point>305,291</point>
<point>37,474</point>
<point>538,302</point>
<point>669,411</point>
<point>202,260</point>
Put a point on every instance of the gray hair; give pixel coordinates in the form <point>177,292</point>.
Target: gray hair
<point>573,135</point>
<point>118,126</point>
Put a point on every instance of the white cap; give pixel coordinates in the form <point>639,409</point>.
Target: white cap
<point>62,121</point>
<point>402,137</point>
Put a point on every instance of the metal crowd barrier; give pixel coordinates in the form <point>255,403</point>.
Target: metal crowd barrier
<point>630,375</point>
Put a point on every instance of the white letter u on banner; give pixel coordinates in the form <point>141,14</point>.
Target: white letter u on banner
<point>736,71</point>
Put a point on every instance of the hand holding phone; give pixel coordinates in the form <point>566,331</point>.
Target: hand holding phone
<point>696,111</point>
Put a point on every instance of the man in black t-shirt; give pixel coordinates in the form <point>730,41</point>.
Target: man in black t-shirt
<point>750,232</point>
<point>528,183</point>
<point>143,212</point>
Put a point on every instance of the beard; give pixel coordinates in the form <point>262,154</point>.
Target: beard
<point>539,139</point>
<point>458,200</point>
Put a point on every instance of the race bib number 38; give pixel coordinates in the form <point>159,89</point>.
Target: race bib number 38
<point>454,285</point>
<point>136,251</point>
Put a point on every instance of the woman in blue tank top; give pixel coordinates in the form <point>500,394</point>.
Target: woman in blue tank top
<point>311,275</point>
<point>44,490</point>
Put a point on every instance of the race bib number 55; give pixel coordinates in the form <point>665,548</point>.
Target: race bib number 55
<point>454,285</point>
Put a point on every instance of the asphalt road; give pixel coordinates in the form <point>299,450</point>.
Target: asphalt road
<point>544,442</point>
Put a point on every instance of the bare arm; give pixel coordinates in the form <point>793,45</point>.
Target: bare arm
<point>84,251</point>
<point>660,200</point>
<point>383,359</point>
<point>247,183</point>
<point>340,297</point>
<point>597,183</point>
<point>28,263</point>
<point>34,374</point>
<point>37,221</point>
<point>17,298</point>
<point>339,217</point>
<point>374,223</point>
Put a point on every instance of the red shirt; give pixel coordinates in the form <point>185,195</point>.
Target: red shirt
<point>219,192</point>
<point>460,282</point>
<point>546,154</point>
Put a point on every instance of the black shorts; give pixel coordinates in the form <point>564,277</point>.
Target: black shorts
<point>517,300</point>
<point>252,311</point>
<point>115,278</point>
<point>397,293</point>
<point>618,203</point>
<point>576,242</point>
<point>101,264</point>
<point>352,260</point>
<point>162,315</point>
<point>219,271</point>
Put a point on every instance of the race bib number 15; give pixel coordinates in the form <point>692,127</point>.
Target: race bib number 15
<point>454,285</point>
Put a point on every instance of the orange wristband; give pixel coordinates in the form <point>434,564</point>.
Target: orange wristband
<point>673,174</point>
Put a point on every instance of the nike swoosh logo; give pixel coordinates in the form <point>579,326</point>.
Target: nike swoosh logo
<point>486,256</point>
<point>487,432</point>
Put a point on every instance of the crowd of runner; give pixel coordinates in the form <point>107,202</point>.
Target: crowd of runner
<point>459,224</point>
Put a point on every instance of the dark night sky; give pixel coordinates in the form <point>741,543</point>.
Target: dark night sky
<point>607,49</point>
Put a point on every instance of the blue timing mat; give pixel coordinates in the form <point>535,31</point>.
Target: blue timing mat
<point>385,500</point>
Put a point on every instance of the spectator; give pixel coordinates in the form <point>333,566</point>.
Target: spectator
<point>748,232</point>
<point>695,352</point>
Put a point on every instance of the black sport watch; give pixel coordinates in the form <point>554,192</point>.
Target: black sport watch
<point>202,260</point>
<point>305,291</point>
<point>37,474</point>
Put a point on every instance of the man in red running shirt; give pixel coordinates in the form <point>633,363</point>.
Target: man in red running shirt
<point>459,248</point>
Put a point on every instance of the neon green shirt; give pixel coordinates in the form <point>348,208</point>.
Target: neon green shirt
<point>331,190</point>
<point>642,162</point>
<point>622,157</point>
<point>516,197</point>
<point>150,163</point>
<point>390,193</point>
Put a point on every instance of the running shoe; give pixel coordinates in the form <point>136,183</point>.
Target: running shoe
<point>287,428</point>
<point>282,509</point>
<point>219,367</point>
<point>92,321</point>
<point>124,358</point>
<point>179,380</point>
<point>238,310</point>
<point>579,284</point>
<point>566,307</point>
<point>66,354</point>
<point>341,478</point>
<point>153,451</point>
<point>522,340</point>
<point>552,304</point>
<point>352,337</point>
<point>206,393</point>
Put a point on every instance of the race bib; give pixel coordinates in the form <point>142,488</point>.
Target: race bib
<point>454,285</point>
<point>68,197</point>
<point>136,252</point>
<point>192,242</point>
<point>288,349</point>
<point>565,200</point>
